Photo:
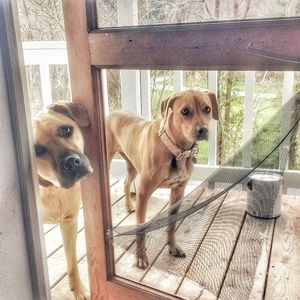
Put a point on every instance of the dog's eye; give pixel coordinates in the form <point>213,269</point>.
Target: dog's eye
<point>185,112</point>
<point>207,109</point>
<point>65,131</point>
<point>40,150</point>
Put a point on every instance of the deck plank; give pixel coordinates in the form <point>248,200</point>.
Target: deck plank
<point>126,265</point>
<point>117,191</point>
<point>126,252</point>
<point>246,268</point>
<point>167,272</point>
<point>211,261</point>
<point>157,203</point>
<point>62,291</point>
<point>246,275</point>
<point>284,272</point>
<point>190,290</point>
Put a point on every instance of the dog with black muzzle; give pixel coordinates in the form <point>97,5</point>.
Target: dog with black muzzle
<point>61,165</point>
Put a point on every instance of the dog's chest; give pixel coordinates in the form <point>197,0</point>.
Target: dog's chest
<point>59,204</point>
<point>178,174</point>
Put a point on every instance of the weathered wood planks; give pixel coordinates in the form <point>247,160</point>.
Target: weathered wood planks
<point>229,255</point>
<point>246,274</point>
<point>284,272</point>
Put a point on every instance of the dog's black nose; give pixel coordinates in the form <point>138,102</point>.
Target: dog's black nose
<point>71,162</point>
<point>202,133</point>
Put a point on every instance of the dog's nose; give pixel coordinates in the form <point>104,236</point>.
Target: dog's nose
<point>202,133</point>
<point>71,162</point>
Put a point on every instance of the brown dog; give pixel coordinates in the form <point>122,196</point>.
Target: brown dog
<point>161,152</point>
<point>61,164</point>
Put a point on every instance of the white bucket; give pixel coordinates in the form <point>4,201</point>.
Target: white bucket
<point>264,195</point>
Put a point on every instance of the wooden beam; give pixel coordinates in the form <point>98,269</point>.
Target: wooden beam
<point>269,44</point>
<point>95,190</point>
<point>87,90</point>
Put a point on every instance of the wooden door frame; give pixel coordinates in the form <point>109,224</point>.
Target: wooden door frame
<point>86,89</point>
<point>87,47</point>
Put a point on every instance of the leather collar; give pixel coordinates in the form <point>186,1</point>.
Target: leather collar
<point>44,183</point>
<point>178,152</point>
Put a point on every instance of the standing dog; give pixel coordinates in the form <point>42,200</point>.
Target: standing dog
<point>61,164</point>
<point>161,152</point>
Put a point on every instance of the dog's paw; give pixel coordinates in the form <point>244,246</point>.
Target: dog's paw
<point>176,251</point>
<point>81,294</point>
<point>130,208</point>
<point>142,261</point>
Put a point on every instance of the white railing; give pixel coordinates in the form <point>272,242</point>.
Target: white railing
<point>135,96</point>
<point>45,54</point>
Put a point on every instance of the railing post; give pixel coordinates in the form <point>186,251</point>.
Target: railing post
<point>248,116</point>
<point>287,93</point>
<point>178,81</point>
<point>46,84</point>
<point>130,79</point>
<point>212,141</point>
<point>145,94</point>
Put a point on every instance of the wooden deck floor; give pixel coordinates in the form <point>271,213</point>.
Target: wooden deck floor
<point>229,254</point>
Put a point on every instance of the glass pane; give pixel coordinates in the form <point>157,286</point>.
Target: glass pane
<point>113,13</point>
<point>267,96</point>
<point>266,91</point>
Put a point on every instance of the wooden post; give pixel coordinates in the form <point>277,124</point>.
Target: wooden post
<point>95,190</point>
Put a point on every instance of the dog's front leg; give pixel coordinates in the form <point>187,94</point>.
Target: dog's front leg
<point>69,235</point>
<point>144,191</point>
<point>176,196</point>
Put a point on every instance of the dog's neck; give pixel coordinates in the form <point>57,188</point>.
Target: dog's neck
<point>181,150</point>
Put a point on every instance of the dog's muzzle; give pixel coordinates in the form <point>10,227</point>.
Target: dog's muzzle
<point>72,168</point>
<point>71,163</point>
<point>202,133</point>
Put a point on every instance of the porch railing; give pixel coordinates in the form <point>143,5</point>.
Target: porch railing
<point>135,96</point>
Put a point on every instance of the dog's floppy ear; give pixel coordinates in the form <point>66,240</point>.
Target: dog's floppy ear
<point>76,112</point>
<point>214,105</point>
<point>165,104</point>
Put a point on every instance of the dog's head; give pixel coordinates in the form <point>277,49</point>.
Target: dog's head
<point>189,113</point>
<point>59,144</point>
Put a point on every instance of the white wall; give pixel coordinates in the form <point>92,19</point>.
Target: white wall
<point>15,279</point>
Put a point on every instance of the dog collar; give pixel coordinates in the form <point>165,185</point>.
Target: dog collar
<point>44,183</point>
<point>178,152</point>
